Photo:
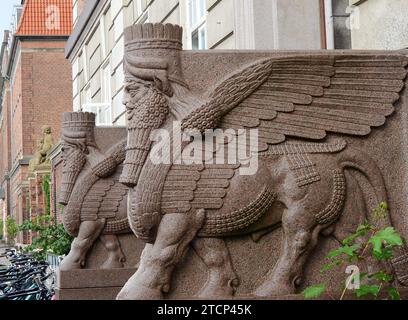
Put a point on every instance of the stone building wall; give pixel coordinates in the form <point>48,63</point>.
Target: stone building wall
<point>96,47</point>
<point>381,25</point>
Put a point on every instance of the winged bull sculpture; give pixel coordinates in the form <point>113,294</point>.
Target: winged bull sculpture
<point>293,102</point>
<point>94,199</point>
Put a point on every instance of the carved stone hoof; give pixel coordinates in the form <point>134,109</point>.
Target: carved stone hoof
<point>67,265</point>
<point>133,292</point>
<point>276,290</point>
<point>113,264</point>
<point>217,290</point>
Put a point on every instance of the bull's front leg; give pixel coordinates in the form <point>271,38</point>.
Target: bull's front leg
<point>158,260</point>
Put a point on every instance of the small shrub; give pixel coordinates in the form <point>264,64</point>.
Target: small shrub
<point>1,228</point>
<point>51,237</point>
<point>367,243</point>
<point>11,228</point>
<point>47,193</point>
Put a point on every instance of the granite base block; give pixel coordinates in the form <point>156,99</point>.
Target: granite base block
<point>91,284</point>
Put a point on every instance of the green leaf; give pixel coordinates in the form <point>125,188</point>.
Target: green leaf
<point>389,236</point>
<point>315,291</point>
<point>346,249</point>
<point>351,238</point>
<point>363,275</point>
<point>331,265</point>
<point>394,294</point>
<point>366,226</point>
<point>386,254</point>
<point>381,276</point>
<point>366,289</point>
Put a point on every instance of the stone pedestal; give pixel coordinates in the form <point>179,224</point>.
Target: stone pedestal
<point>91,284</point>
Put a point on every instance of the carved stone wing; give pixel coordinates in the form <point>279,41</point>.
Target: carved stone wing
<point>306,97</point>
<point>196,187</point>
<point>103,199</point>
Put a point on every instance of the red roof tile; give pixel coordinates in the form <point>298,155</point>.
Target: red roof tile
<point>46,17</point>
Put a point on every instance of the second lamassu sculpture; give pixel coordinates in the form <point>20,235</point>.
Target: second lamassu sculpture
<point>289,103</point>
<point>95,202</point>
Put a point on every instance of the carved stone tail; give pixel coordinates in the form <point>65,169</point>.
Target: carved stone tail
<point>355,159</point>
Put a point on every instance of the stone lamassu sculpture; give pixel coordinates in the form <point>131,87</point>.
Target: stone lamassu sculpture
<point>96,203</point>
<point>291,101</point>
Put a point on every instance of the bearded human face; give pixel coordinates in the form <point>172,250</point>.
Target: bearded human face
<point>147,110</point>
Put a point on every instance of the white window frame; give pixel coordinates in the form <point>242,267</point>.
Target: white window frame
<point>104,44</point>
<point>85,64</point>
<point>197,27</point>
<point>98,109</point>
<point>75,12</point>
<point>138,8</point>
<point>106,85</point>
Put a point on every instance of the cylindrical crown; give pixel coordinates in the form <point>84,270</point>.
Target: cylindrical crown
<point>78,125</point>
<point>154,47</point>
<point>154,36</point>
<point>78,119</point>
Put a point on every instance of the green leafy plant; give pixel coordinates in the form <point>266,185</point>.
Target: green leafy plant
<point>1,228</point>
<point>47,193</point>
<point>366,244</point>
<point>51,237</point>
<point>11,228</point>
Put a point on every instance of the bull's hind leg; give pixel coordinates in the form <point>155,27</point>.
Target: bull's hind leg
<point>158,261</point>
<point>222,279</point>
<point>116,258</point>
<point>89,231</point>
<point>300,236</point>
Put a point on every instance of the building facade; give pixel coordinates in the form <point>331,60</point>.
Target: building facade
<point>96,47</point>
<point>37,89</point>
<point>379,24</point>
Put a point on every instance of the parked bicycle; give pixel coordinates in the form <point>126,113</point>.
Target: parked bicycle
<point>26,278</point>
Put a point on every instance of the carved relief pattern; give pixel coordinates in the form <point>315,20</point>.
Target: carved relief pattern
<point>103,199</point>
<point>306,97</point>
<point>190,187</point>
<point>299,160</point>
<point>240,219</point>
<point>400,265</point>
<point>332,212</point>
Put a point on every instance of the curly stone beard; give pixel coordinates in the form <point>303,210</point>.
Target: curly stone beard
<point>147,110</point>
<point>73,165</point>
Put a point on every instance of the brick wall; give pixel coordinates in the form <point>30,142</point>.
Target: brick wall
<point>41,90</point>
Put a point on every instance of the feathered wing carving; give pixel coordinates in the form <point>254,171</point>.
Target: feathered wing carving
<point>104,198</point>
<point>196,186</point>
<point>94,197</point>
<point>306,97</point>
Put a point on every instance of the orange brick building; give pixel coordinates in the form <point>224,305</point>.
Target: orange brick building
<point>36,89</point>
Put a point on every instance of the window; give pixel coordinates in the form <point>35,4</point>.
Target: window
<point>199,38</point>
<point>140,12</point>
<point>103,113</point>
<point>106,85</point>
<point>197,12</point>
<point>198,31</point>
<point>103,110</point>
